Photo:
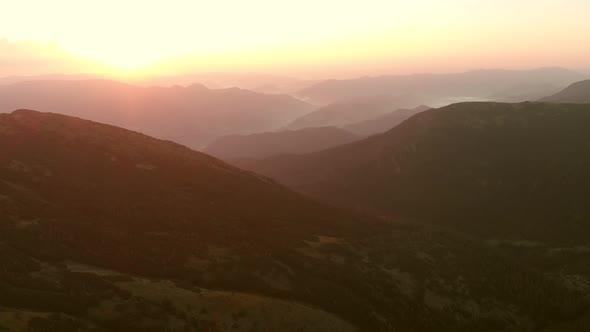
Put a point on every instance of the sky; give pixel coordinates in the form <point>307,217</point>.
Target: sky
<point>307,37</point>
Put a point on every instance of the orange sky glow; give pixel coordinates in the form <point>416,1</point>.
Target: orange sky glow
<point>303,37</point>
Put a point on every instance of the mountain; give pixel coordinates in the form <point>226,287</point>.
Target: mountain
<point>577,93</point>
<point>105,229</point>
<point>443,89</point>
<point>259,82</point>
<point>514,171</point>
<point>340,114</point>
<point>256,82</point>
<point>384,122</point>
<point>193,115</point>
<point>264,145</point>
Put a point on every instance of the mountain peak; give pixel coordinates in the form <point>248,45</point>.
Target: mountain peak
<point>27,118</point>
<point>198,86</point>
<point>32,121</point>
<point>25,112</point>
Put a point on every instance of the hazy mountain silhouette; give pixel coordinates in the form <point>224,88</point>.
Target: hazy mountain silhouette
<point>347,112</point>
<point>193,115</point>
<point>264,145</point>
<point>384,122</point>
<point>259,82</point>
<point>443,89</point>
<point>78,198</point>
<point>577,93</point>
<point>507,170</point>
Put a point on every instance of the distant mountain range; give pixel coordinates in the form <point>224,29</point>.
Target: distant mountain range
<point>193,115</point>
<point>264,145</point>
<point>257,82</point>
<point>577,93</point>
<point>384,122</point>
<point>516,171</point>
<point>105,229</point>
<point>306,140</point>
<point>344,113</point>
<point>443,89</point>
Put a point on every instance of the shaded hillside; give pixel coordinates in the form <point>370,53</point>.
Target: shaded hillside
<point>384,122</point>
<point>74,191</point>
<point>443,89</point>
<point>264,145</point>
<point>509,170</point>
<point>577,93</point>
<point>340,114</point>
<point>104,173</point>
<point>192,116</point>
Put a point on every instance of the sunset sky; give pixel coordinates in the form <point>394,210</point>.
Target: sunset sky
<point>309,37</point>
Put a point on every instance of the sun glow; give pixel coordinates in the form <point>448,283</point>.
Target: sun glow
<point>152,37</point>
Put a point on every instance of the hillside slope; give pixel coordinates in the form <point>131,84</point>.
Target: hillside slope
<point>577,93</point>
<point>508,170</point>
<point>384,122</point>
<point>78,197</point>
<point>343,113</point>
<point>265,145</point>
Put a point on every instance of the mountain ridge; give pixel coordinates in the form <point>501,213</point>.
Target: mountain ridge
<point>442,89</point>
<point>348,112</point>
<point>578,92</point>
<point>444,161</point>
<point>190,115</point>
<point>264,145</point>
<point>384,122</point>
